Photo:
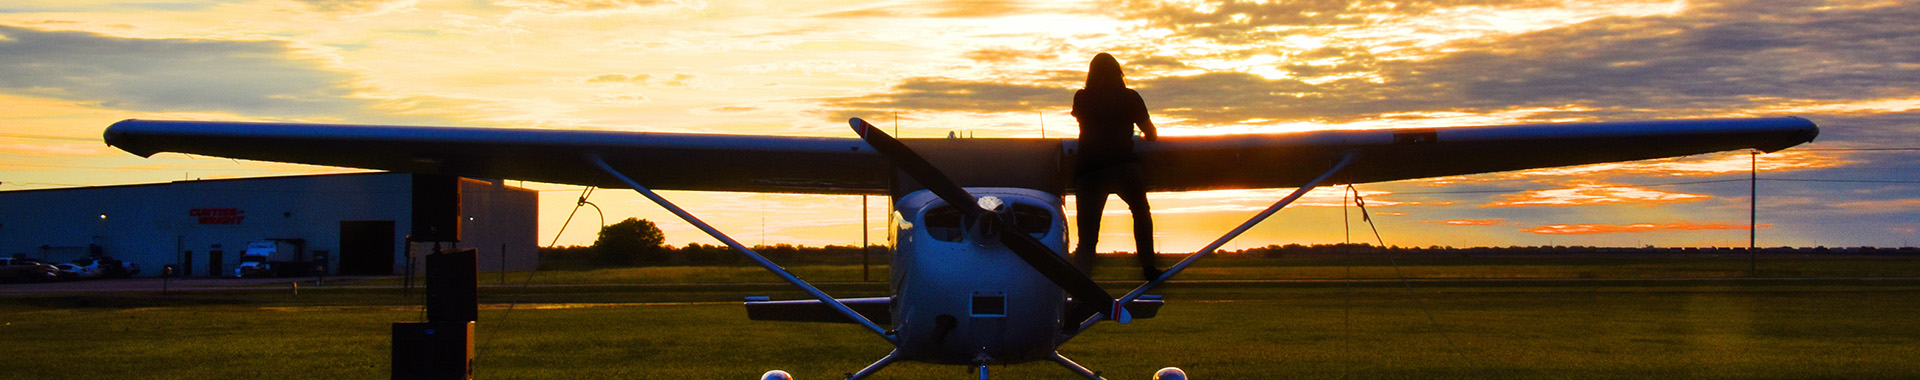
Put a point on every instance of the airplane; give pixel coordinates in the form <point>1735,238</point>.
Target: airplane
<point>978,230</point>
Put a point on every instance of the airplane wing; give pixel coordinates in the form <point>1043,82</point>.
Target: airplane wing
<point>1289,160</point>
<point>665,161</point>
<point>712,162</point>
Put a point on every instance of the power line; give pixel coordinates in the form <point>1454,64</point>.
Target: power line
<point>48,137</point>
<point>1836,180</point>
<point>1856,149</point>
<point>1524,190</point>
<point>1669,184</point>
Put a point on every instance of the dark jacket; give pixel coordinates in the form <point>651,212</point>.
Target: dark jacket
<point>1107,118</point>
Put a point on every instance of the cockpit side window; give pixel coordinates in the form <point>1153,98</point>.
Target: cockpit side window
<point>1032,220</point>
<point>944,224</point>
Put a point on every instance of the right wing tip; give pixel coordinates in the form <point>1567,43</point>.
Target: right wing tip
<point>859,126</point>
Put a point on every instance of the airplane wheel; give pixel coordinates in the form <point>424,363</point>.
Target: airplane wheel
<point>781,375</point>
<point>1170,373</point>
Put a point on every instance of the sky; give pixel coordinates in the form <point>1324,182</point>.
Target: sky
<point>69,68</point>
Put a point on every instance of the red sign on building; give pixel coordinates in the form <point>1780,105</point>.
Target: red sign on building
<point>217,215</point>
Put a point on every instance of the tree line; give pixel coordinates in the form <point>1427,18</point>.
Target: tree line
<point>638,242</point>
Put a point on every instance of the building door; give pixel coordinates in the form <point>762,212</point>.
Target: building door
<point>366,247</point>
<point>215,262</point>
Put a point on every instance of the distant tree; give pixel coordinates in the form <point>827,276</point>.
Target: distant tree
<point>631,241</point>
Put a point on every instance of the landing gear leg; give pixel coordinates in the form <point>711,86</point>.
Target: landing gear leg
<point>876,366</point>
<point>1075,367</point>
<point>982,360</point>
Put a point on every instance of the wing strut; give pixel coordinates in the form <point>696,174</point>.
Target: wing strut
<point>762,260</point>
<point>1345,160</point>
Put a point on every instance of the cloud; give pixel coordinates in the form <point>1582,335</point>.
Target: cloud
<point>358,6</point>
<point>1883,206</point>
<point>1707,59</point>
<point>1005,55</point>
<point>620,78</point>
<point>1701,165</point>
<point>43,149</point>
<point>1471,222</point>
<point>1594,194</point>
<point>976,8</point>
<point>953,95</point>
<point>560,6</point>
<point>626,98</point>
<point>1591,229</point>
<point>246,77</point>
<point>1235,21</point>
<point>934,9</point>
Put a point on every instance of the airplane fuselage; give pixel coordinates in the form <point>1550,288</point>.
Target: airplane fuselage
<point>959,301</point>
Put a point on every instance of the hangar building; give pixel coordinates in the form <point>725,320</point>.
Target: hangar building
<point>354,223</point>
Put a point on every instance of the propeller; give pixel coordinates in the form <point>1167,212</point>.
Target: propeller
<point>988,224</point>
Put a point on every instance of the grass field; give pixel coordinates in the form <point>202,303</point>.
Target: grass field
<point>1360,265</point>
<point>1614,327</point>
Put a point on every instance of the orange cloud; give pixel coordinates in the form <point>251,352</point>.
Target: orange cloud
<point>1591,229</point>
<point>1471,222</point>
<point>1593,194</point>
<point>1895,205</point>
<point>1701,165</point>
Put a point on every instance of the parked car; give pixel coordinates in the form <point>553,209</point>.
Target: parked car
<point>109,267</point>
<point>75,272</point>
<point>16,270</point>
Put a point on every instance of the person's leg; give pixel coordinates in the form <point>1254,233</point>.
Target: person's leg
<point>1131,188</point>
<point>1089,200</point>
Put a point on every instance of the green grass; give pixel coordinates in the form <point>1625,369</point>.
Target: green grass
<point>1361,265</point>
<point>1602,330</point>
<point>643,323</point>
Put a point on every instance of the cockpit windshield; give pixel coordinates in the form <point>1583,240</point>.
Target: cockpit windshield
<point>945,223</point>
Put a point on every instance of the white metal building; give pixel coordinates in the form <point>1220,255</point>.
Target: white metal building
<point>356,223</point>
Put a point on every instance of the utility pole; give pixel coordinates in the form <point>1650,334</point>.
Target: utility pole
<point>863,238</point>
<point>1753,202</point>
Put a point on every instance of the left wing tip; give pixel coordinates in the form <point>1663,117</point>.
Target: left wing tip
<point>116,136</point>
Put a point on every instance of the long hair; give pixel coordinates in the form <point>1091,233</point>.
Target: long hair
<point>1104,73</point>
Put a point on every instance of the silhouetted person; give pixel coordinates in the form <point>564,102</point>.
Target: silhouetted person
<point>1108,111</point>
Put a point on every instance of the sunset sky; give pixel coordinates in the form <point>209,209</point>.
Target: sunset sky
<point>68,68</point>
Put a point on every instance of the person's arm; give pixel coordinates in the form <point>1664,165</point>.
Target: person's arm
<point>1142,119</point>
<point>1146,129</point>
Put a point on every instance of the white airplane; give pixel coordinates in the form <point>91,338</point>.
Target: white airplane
<point>978,274</point>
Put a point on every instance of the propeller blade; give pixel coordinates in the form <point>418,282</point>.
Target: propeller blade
<point>1091,298</point>
<point>907,161</point>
